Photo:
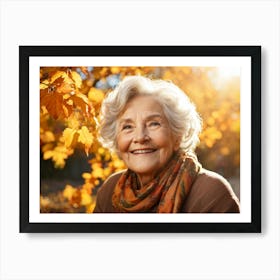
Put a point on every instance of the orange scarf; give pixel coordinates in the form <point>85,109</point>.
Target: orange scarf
<point>164,194</point>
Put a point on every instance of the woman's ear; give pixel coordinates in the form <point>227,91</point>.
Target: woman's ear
<point>118,153</point>
<point>177,143</point>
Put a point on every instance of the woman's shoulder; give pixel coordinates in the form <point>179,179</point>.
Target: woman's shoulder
<point>213,179</point>
<point>105,192</point>
<point>211,192</point>
<point>110,182</point>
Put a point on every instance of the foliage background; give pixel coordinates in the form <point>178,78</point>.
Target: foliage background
<point>74,164</point>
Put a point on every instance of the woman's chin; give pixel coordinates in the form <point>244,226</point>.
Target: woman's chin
<point>146,170</point>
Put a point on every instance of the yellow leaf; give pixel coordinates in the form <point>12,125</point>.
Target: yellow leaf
<point>88,186</point>
<point>85,197</point>
<point>107,171</point>
<point>68,135</point>
<point>235,126</point>
<point>90,207</point>
<point>44,201</point>
<point>209,143</point>
<point>48,155</point>
<point>58,155</point>
<point>98,173</point>
<point>68,192</point>
<point>73,122</point>
<point>47,137</point>
<point>44,84</point>
<point>119,164</point>
<point>70,102</point>
<point>115,70</point>
<point>96,95</point>
<point>86,175</point>
<point>101,151</point>
<point>47,147</point>
<point>86,138</point>
<point>65,110</point>
<point>210,121</point>
<point>65,87</point>
<point>66,96</point>
<point>76,78</point>
<point>44,110</point>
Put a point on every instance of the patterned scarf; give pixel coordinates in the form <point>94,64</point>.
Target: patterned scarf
<point>164,194</point>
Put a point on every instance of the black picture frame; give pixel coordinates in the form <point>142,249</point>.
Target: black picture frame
<point>252,52</point>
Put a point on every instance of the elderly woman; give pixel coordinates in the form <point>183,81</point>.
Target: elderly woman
<point>154,128</point>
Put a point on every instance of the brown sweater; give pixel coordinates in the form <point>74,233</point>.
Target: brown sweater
<point>210,193</point>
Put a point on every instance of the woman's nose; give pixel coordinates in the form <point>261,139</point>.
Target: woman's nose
<point>141,135</point>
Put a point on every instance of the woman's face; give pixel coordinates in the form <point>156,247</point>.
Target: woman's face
<point>144,139</point>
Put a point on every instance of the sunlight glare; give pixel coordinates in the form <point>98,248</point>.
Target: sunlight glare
<point>229,72</point>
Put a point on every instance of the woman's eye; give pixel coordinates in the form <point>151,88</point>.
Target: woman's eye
<point>154,124</point>
<point>126,127</point>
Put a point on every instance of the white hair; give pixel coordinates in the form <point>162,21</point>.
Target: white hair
<point>184,121</point>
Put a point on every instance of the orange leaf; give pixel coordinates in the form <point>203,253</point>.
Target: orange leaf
<point>81,101</point>
<point>54,103</point>
<point>57,75</point>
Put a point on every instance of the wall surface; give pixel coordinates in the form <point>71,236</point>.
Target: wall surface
<point>138,256</point>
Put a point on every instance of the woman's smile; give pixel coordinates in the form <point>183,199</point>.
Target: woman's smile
<point>142,151</point>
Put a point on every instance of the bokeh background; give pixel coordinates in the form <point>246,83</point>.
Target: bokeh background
<point>73,163</point>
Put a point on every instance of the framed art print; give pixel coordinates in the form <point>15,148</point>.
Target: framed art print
<point>63,163</point>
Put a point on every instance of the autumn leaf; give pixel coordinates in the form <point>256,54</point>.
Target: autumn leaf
<point>44,201</point>
<point>47,147</point>
<point>75,200</point>
<point>86,138</point>
<point>59,94</point>
<point>44,85</point>
<point>80,101</point>
<point>61,106</point>
<point>86,198</point>
<point>55,105</point>
<point>115,70</point>
<point>73,121</point>
<point>68,192</point>
<point>68,136</point>
<point>86,175</point>
<point>98,173</point>
<point>90,207</point>
<point>76,78</point>
<point>58,155</point>
<point>47,136</point>
<point>96,95</point>
<point>64,88</point>
<point>58,75</point>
